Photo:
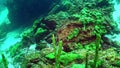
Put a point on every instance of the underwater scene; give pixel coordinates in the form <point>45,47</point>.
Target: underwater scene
<point>59,33</point>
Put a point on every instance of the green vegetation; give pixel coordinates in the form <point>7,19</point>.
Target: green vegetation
<point>118,63</point>
<point>97,43</point>
<point>69,57</point>
<point>78,66</point>
<point>100,29</point>
<point>86,61</point>
<point>87,16</point>
<point>65,58</point>
<point>4,61</point>
<point>61,56</point>
<point>73,34</point>
<point>40,31</point>
<point>91,16</point>
<point>90,46</point>
<point>14,48</point>
<point>29,58</point>
<point>57,51</point>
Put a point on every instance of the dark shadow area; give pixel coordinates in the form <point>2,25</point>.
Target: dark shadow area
<point>23,13</point>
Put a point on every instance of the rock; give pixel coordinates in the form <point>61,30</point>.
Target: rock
<point>50,24</point>
<point>84,36</point>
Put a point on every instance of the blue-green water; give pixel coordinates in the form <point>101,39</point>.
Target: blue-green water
<point>116,17</point>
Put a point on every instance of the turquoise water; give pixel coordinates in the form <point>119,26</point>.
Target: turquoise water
<point>116,17</point>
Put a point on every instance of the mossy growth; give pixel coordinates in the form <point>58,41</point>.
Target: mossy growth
<point>14,49</point>
<point>65,58</point>
<point>98,63</point>
<point>69,57</point>
<point>73,34</point>
<point>118,63</point>
<point>78,66</point>
<point>52,55</point>
<point>100,29</point>
<point>57,52</point>
<point>60,56</point>
<point>97,43</point>
<point>91,16</point>
<point>91,46</point>
<point>40,31</point>
<point>87,16</point>
<point>78,45</point>
<point>30,58</point>
<point>4,61</point>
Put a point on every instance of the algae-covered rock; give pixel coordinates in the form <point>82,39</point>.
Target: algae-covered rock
<point>78,66</point>
<point>40,31</point>
<point>31,58</point>
<point>65,58</point>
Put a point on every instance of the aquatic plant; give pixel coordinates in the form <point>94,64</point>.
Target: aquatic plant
<point>57,51</point>
<point>40,31</point>
<point>97,43</point>
<point>52,55</point>
<point>78,45</point>
<point>86,61</point>
<point>87,16</point>
<point>61,56</point>
<point>69,57</point>
<point>78,66</point>
<point>100,29</point>
<point>118,63</point>
<point>65,58</point>
<point>73,34</point>
<point>90,46</point>
<point>4,61</point>
<point>58,54</point>
<point>91,17</point>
